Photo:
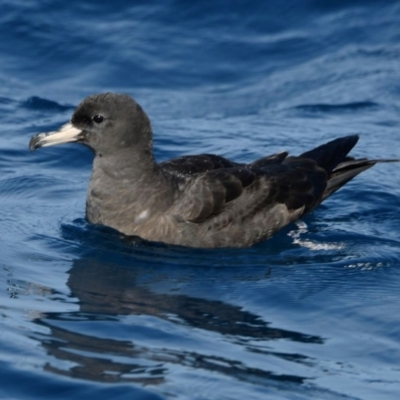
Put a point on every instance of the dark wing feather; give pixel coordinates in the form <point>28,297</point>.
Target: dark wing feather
<point>208,194</point>
<point>269,160</point>
<point>329,155</point>
<point>198,164</point>
<point>240,191</point>
<point>300,183</point>
<point>214,187</point>
<point>208,182</point>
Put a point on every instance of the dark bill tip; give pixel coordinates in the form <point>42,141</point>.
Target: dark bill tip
<point>35,142</point>
<point>66,134</point>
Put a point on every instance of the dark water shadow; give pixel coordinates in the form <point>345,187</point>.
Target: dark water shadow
<point>109,284</point>
<point>106,292</point>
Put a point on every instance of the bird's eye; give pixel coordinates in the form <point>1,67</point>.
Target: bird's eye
<point>98,119</point>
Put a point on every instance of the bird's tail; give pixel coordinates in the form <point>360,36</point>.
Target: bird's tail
<point>333,158</point>
<point>346,171</point>
<point>331,154</point>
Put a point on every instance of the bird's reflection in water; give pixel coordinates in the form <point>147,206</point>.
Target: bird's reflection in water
<point>109,292</point>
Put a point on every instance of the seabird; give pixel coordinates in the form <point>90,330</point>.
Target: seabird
<point>201,200</point>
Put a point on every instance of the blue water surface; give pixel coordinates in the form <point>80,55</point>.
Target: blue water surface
<point>312,313</point>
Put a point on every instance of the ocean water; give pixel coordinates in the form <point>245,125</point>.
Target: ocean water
<point>312,313</point>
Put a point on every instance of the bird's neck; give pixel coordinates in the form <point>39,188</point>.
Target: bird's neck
<point>127,186</point>
<point>126,167</point>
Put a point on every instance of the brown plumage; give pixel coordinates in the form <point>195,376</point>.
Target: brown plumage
<point>200,201</point>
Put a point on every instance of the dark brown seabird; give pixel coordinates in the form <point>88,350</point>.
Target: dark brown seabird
<point>200,201</point>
